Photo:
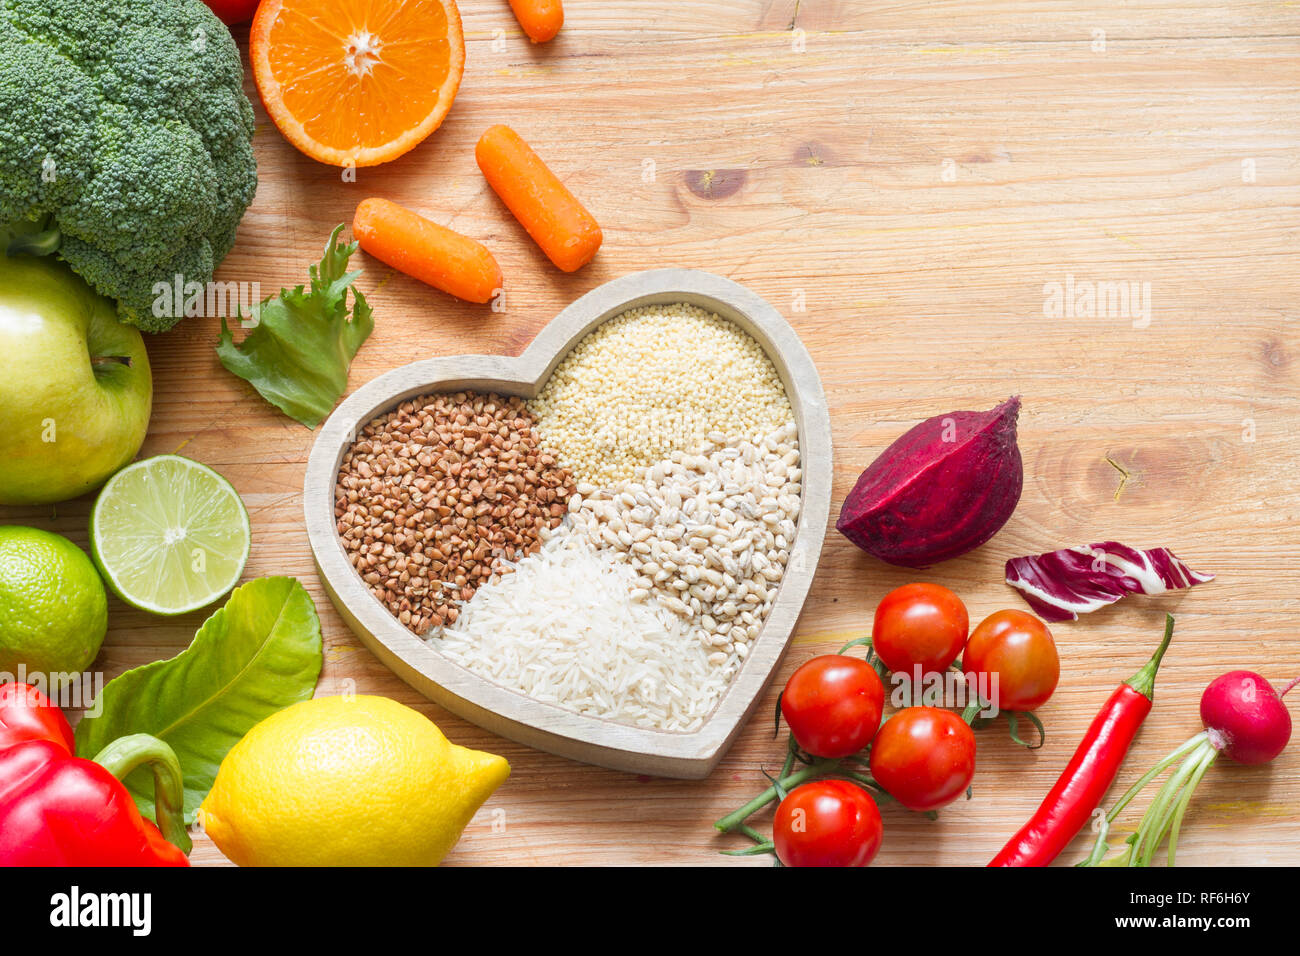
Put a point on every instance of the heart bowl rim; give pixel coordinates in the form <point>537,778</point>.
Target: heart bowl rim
<point>549,727</point>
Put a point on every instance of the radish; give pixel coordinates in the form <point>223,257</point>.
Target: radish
<point>1245,719</point>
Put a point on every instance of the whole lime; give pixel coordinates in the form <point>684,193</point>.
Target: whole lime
<point>53,609</point>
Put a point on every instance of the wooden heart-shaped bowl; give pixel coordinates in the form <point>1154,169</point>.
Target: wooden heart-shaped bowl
<point>546,726</point>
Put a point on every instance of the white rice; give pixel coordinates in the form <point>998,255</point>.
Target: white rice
<point>563,628</point>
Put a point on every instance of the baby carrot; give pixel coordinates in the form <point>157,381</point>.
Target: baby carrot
<point>558,223</point>
<point>541,19</point>
<point>426,251</point>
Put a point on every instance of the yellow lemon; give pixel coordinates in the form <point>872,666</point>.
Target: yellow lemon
<point>346,781</point>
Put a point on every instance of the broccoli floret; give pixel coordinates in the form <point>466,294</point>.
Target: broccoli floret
<point>124,126</point>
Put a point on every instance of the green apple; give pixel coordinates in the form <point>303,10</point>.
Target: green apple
<point>75,386</point>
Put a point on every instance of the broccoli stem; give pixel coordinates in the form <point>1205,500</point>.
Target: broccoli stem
<point>43,243</point>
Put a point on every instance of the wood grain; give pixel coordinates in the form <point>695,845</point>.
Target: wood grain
<point>902,180</point>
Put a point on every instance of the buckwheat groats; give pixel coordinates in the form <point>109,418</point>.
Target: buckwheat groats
<point>438,493</point>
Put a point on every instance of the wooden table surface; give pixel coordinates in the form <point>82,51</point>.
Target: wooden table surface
<point>904,181</point>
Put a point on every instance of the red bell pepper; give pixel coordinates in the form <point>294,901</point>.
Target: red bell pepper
<point>61,810</point>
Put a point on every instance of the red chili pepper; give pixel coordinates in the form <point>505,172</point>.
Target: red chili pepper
<point>1083,783</point>
<point>61,810</point>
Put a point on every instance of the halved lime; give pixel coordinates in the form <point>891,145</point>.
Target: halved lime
<point>169,535</point>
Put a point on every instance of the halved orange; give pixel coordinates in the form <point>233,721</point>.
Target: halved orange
<point>357,82</point>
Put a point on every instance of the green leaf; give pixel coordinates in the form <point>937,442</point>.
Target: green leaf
<point>257,655</point>
<point>298,354</point>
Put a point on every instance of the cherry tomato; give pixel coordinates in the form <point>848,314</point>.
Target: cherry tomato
<point>833,705</point>
<point>827,823</point>
<point>922,624</point>
<point>1019,648</point>
<point>924,757</point>
<point>231,12</point>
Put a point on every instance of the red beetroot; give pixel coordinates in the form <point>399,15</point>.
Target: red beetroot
<point>943,488</point>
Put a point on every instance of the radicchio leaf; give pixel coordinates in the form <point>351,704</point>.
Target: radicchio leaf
<point>1061,585</point>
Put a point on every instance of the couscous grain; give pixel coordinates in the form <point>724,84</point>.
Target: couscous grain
<point>655,380</point>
